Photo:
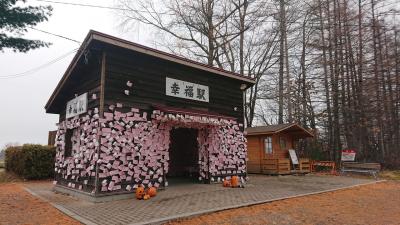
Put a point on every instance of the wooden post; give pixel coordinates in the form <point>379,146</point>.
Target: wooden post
<point>102,83</point>
<point>101,113</point>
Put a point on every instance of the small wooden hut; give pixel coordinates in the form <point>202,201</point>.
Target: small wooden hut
<point>131,115</point>
<point>268,148</point>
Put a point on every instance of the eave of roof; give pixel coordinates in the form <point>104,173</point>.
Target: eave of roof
<point>253,133</point>
<point>69,69</point>
<point>108,39</point>
<point>167,56</point>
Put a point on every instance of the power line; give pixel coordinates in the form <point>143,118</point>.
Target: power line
<point>34,70</point>
<point>57,35</point>
<point>101,7</point>
<point>172,14</point>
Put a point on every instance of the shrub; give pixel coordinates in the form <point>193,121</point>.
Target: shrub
<point>31,161</point>
<point>13,162</point>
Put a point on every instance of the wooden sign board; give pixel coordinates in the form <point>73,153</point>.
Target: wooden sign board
<point>184,89</point>
<point>293,157</point>
<point>348,155</point>
<point>77,106</point>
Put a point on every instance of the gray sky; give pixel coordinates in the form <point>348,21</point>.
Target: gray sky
<point>22,115</point>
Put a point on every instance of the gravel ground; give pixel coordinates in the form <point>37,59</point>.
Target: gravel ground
<point>19,207</point>
<point>371,204</point>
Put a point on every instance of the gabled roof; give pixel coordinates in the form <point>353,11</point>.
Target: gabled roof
<point>121,43</point>
<point>274,129</point>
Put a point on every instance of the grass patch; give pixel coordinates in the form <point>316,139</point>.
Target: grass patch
<point>390,175</point>
<point>6,177</point>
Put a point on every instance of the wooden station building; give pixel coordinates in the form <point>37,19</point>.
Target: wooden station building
<point>131,115</point>
<point>268,148</point>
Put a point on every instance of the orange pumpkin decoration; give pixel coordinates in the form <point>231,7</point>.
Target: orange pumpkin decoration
<point>152,191</point>
<point>226,183</point>
<point>140,192</point>
<point>145,197</point>
<point>235,181</point>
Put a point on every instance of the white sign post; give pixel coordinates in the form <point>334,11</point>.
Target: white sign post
<point>76,106</point>
<point>187,90</point>
<point>293,157</point>
<point>348,155</point>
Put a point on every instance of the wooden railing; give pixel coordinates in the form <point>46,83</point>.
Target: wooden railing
<point>276,166</point>
<point>305,165</point>
<point>283,166</point>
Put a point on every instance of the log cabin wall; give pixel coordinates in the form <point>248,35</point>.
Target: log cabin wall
<point>277,161</point>
<point>257,153</point>
<point>85,77</point>
<point>255,148</point>
<point>148,76</point>
<point>279,151</point>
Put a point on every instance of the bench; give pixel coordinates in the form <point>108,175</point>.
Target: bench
<point>371,168</point>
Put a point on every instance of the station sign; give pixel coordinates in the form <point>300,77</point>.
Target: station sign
<point>187,90</point>
<point>77,106</point>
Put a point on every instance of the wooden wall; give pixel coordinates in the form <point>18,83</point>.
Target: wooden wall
<point>256,151</point>
<point>279,152</point>
<point>52,138</point>
<point>84,78</point>
<point>148,76</point>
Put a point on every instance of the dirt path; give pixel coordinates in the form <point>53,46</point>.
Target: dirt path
<point>371,204</point>
<point>19,207</point>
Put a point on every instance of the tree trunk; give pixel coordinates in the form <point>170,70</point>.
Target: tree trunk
<point>282,21</point>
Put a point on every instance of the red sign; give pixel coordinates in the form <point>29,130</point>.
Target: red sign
<point>348,155</point>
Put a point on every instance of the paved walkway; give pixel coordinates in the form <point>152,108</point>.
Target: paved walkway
<point>182,200</point>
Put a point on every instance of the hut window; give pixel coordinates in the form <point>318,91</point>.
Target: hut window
<point>68,143</point>
<point>282,142</point>
<point>268,145</point>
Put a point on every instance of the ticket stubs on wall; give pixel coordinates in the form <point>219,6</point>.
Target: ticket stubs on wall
<point>188,90</point>
<point>77,106</point>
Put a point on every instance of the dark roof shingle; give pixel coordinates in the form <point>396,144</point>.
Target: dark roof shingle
<point>271,129</point>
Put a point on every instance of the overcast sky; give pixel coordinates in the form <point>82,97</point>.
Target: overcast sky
<point>22,115</point>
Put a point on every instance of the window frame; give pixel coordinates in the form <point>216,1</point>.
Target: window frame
<point>268,146</point>
<point>282,140</point>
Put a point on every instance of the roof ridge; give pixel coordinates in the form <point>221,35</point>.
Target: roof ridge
<point>169,54</point>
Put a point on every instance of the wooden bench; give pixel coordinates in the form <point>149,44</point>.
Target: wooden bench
<point>371,168</point>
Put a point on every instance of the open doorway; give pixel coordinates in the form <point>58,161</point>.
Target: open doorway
<point>183,155</point>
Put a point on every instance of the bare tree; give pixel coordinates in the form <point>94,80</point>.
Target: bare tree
<point>333,66</point>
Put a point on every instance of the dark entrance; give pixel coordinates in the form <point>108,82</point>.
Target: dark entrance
<point>183,154</point>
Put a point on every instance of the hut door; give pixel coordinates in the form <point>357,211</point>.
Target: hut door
<point>183,153</point>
